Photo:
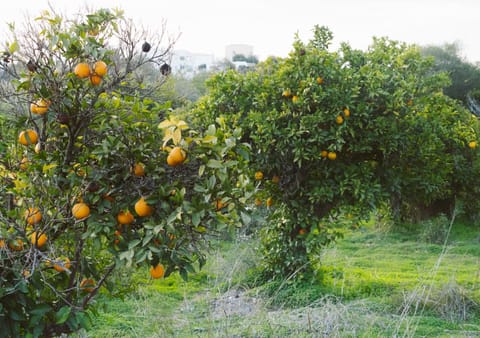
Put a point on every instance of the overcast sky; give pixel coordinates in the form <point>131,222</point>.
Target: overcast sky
<point>207,26</point>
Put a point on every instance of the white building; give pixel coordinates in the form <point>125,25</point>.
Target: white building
<point>188,64</point>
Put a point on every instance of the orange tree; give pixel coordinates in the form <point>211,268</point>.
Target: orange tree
<point>94,175</point>
<point>333,134</point>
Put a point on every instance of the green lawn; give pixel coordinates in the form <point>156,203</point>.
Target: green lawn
<point>370,284</point>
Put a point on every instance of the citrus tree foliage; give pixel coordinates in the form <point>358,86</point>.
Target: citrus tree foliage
<point>336,133</point>
<point>94,175</point>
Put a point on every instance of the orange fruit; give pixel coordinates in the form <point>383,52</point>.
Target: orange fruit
<point>302,232</point>
<point>87,285</point>
<point>139,169</point>
<point>38,239</point>
<point>33,216</point>
<point>339,119</point>
<point>219,204</point>
<point>62,264</point>
<point>82,70</point>
<point>157,271</point>
<point>39,107</point>
<point>28,137</point>
<point>125,217</point>
<point>346,112</point>
<point>16,244</point>
<point>472,144</point>
<point>80,210</point>
<point>95,80</point>
<point>295,98</point>
<point>319,80</point>
<point>275,179</point>
<point>332,156</point>
<point>258,202</point>
<point>286,93</point>
<point>269,202</point>
<point>142,208</point>
<point>324,153</point>
<point>259,176</point>
<point>100,68</point>
<point>176,156</point>
<point>2,243</point>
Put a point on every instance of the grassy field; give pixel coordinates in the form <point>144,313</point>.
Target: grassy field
<point>374,283</point>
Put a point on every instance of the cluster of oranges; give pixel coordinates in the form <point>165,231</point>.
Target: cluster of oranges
<point>95,73</point>
<point>259,177</point>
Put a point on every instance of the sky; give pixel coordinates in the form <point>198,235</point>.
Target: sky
<point>208,26</point>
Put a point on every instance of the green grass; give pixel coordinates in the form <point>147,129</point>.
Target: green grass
<point>371,284</point>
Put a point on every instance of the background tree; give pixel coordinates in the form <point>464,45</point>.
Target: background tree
<point>335,134</point>
<point>96,174</point>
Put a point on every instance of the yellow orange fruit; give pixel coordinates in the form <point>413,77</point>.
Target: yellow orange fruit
<point>269,202</point>
<point>142,208</point>
<point>38,148</point>
<point>2,243</point>
<point>346,112</point>
<point>295,98</point>
<point>157,271</point>
<point>80,210</point>
<point>258,202</point>
<point>95,80</point>
<point>82,70</point>
<point>87,285</point>
<point>324,153</point>
<point>39,107</point>
<point>332,155</point>
<point>286,93</point>
<point>259,176</point>
<point>38,239</point>
<point>16,244</point>
<point>339,119</point>
<point>176,156</point>
<point>275,179</point>
<point>125,217</point>
<point>319,80</point>
<point>139,169</point>
<point>472,144</point>
<point>27,137</point>
<point>100,68</point>
<point>24,163</point>
<point>62,264</point>
<point>33,216</point>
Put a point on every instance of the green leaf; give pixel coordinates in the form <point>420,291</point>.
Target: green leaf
<point>201,170</point>
<point>62,315</point>
<point>13,47</point>
<point>214,164</point>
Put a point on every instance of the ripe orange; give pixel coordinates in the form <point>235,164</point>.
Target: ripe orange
<point>324,153</point>
<point>142,208</point>
<point>2,243</point>
<point>125,217</point>
<point>62,264</point>
<point>176,156</point>
<point>259,176</point>
<point>28,137</point>
<point>100,68</point>
<point>332,155</point>
<point>33,216</point>
<point>139,169</point>
<point>82,70</point>
<point>258,202</point>
<point>80,210</point>
<point>286,93</point>
<point>346,112</point>
<point>339,119</point>
<point>39,107</point>
<point>157,271</point>
<point>269,202</point>
<point>87,285</point>
<point>319,80</point>
<point>302,232</point>
<point>295,99</point>
<point>95,80</point>
<point>472,144</point>
<point>38,239</point>
<point>275,179</point>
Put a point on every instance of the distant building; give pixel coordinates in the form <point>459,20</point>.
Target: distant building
<point>188,64</point>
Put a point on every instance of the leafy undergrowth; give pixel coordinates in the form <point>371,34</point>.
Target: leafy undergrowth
<point>371,284</point>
